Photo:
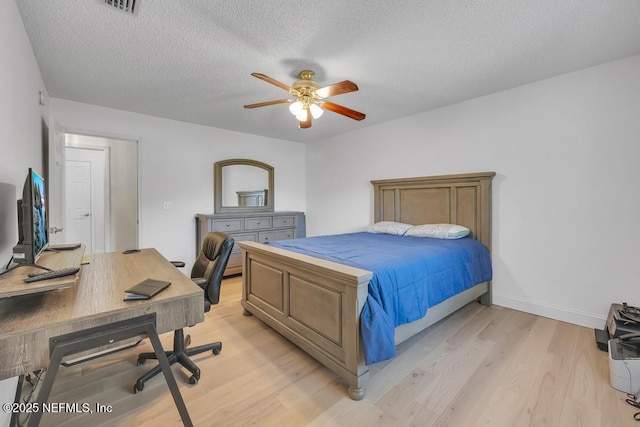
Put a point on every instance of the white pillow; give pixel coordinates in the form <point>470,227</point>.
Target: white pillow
<point>389,227</point>
<point>438,231</point>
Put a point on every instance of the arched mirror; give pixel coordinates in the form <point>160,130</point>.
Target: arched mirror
<point>242,185</point>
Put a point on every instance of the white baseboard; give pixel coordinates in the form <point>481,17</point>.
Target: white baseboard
<point>564,314</point>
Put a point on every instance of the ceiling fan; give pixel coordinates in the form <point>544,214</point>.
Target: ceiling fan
<point>309,100</point>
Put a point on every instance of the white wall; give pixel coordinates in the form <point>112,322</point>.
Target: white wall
<point>22,120</point>
<point>176,165</point>
<point>566,202</point>
<point>23,123</point>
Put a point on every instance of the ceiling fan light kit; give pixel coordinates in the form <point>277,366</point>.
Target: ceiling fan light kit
<point>309,98</point>
<point>300,110</point>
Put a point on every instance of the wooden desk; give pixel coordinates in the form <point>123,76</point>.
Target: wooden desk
<point>28,321</point>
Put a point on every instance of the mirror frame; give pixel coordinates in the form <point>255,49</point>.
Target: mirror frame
<point>217,181</point>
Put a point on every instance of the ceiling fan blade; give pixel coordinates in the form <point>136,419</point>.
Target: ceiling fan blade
<point>264,104</point>
<point>337,89</point>
<point>352,114</point>
<point>306,124</point>
<point>275,82</point>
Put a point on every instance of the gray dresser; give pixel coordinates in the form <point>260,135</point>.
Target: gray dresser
<point>260,227</point>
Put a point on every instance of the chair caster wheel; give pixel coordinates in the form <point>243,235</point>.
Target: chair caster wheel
<point>141,362</point>
<point>193,380</point>
<point>137,387</point>
<point>216,351</point>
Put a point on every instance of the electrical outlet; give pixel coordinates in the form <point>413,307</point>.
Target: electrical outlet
<point>167,205</point>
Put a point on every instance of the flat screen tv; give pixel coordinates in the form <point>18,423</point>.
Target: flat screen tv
<point>32,221</point>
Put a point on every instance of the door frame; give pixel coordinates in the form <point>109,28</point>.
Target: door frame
<point>55,182</point>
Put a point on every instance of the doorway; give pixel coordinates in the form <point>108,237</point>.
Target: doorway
<point>101,193</point>
<point>85,183</point>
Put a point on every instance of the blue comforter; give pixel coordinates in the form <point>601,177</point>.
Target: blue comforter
<point>410,274</point>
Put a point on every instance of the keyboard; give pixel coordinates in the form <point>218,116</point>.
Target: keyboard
<point>51,274</point>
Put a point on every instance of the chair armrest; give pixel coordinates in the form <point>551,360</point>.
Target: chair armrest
<point>200,281</point>
<point>178,264</point>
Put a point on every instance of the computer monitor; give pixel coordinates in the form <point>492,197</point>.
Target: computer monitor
<point>33,236</point>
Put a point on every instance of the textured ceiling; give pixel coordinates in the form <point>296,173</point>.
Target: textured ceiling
<point>191,60</point>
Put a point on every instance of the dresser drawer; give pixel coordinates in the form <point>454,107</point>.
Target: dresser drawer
<point>270,236</point>
<point>262,227</point>
<point>284,221</point>
<point>234,224</point>
<point>257,223</point>
<point>239,237</point>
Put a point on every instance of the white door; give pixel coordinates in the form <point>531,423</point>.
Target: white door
<point>78,209</point>
<point>84,206</point>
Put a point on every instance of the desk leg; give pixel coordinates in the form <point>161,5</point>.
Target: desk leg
<point>87,339</point>
<point>168,376</point>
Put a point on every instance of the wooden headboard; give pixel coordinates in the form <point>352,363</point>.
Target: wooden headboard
<point>463,199</point>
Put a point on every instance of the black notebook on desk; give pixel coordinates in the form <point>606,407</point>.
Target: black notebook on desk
<point>146,289</point>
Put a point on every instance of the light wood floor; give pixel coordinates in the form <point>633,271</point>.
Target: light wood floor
<point>481,366</point>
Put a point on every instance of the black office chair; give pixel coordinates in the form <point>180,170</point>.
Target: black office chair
<point>207,273</point>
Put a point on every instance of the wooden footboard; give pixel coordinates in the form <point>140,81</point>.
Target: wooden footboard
<point>314,303</point>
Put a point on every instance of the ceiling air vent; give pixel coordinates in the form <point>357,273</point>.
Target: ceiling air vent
<point>130,6</point>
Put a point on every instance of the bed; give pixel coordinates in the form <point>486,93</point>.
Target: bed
<point>317,303</point>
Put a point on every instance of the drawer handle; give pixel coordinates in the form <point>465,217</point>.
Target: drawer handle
<point>228,225</point>
<point>258,222</point>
